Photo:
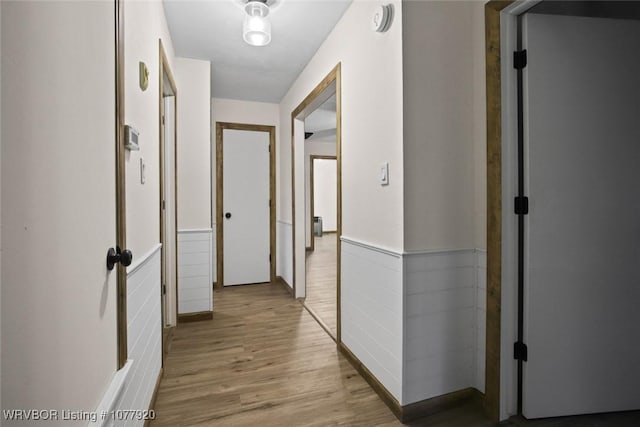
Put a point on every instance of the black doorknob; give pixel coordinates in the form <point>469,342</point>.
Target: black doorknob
<point>227,215</point>
<point>116,255</point>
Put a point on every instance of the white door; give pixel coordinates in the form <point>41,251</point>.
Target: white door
<point>582,245</point>
<point>169,211</point>
<point>245,207</point>
<point>59,301</point>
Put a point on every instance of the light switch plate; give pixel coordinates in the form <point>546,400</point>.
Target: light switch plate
<point>384,173</point>
<point>143,172</point>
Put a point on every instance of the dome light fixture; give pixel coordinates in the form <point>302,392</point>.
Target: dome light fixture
<point>256,29</point>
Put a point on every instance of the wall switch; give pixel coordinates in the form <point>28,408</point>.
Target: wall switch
<point>143,172</point>
<point>384,173</point>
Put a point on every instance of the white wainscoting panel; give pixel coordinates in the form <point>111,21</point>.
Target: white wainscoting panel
<point>284,248</point>
<point>195,270</point>
<point>481,317</point>
<point>144,333</point>
<point>440,323</point>
<point>371,310</point>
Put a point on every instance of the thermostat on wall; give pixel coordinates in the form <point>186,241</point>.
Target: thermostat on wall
<point>131,137</point>
<point>382,16</point>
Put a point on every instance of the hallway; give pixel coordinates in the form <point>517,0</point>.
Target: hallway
<point>263,360</point>
<point>321,280</point>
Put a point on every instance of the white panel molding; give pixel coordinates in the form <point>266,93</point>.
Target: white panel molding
<point>144,336</point>
<point>371,246</point>
<point>196,270</point>
<point>195,230</point>
<point>371,310</point>
<point>415,319</point>
<point>137,263</point>
<point>112,396</point>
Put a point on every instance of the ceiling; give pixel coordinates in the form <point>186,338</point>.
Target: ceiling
<point>212,30</point>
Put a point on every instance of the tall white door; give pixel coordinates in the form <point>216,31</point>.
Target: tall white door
<point>582,245</point>
<point>59,302</point>
<point>245,207</point>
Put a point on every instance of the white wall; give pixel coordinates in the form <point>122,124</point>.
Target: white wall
<point>312,147</point>
<point>371,124</point>
<point>0,213</point>
<point>145,23</point>
<point>58,301</point>
<point>442,124</point>
<point>325,194</point>
<point>193,78</point>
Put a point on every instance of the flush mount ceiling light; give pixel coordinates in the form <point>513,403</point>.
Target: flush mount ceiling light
<point>256,29</point>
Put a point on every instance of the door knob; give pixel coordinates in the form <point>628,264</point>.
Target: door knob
<point>116,255</point>
<point>227,215</point>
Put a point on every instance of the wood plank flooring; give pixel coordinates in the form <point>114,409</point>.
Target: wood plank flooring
<point>264,361</point>
<point>321,265</point>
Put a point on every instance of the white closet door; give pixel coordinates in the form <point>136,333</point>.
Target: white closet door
<point>246,207</point>
<point>582,250</point>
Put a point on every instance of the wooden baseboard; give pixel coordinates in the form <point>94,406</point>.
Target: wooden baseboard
<point>283,282</point>
<point>376,385</point>
<point>167,334</point>
<point>438,404</point>
<point>195,317</point>
<point>152,404</point>
<point>415,410</point>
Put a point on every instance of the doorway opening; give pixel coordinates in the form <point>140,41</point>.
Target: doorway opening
<point>317,131</point>
<point>245,204</point>
<point>168,199</point>
<point>321,256</point>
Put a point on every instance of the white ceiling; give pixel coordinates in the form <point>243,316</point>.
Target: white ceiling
<point>212,30</point>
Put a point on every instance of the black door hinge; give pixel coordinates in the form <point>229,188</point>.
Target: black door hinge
<point>521,205</point>
<point>163,205</point>
<point>269,257</point>
<point>520,59</point>
<point>520,351</point>
<point>164,289</point>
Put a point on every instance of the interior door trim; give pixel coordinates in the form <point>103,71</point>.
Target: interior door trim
<point>271,130</point>
<point>313,100</point>
<point>165,69</point>
<point>121,198</point>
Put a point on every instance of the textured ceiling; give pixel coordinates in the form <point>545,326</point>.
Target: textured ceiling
<point>212,30</point>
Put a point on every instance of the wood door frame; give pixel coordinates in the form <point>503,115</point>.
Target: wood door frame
<point>165,70</point>
<point>121,195</point>
<point>271,130</point>
<point>312,193</point>
<point>311,102</point>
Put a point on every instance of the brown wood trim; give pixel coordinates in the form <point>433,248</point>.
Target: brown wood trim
<point>154,396</point>
<point>195,317</point>
<point>167,335</point>
<point>313,100</point>
<point>312,193</point>
<point>121,197</point>
<point>281,281</point>
<point>437,404</point>
<point>491,401</point>
<point>376,385</point>
<point>271,130</point>
<point>164,69</point>
<point>415,410</point>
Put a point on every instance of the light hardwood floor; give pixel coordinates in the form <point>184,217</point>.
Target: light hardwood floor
<point>264,361</point>
<point>321,285</point>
